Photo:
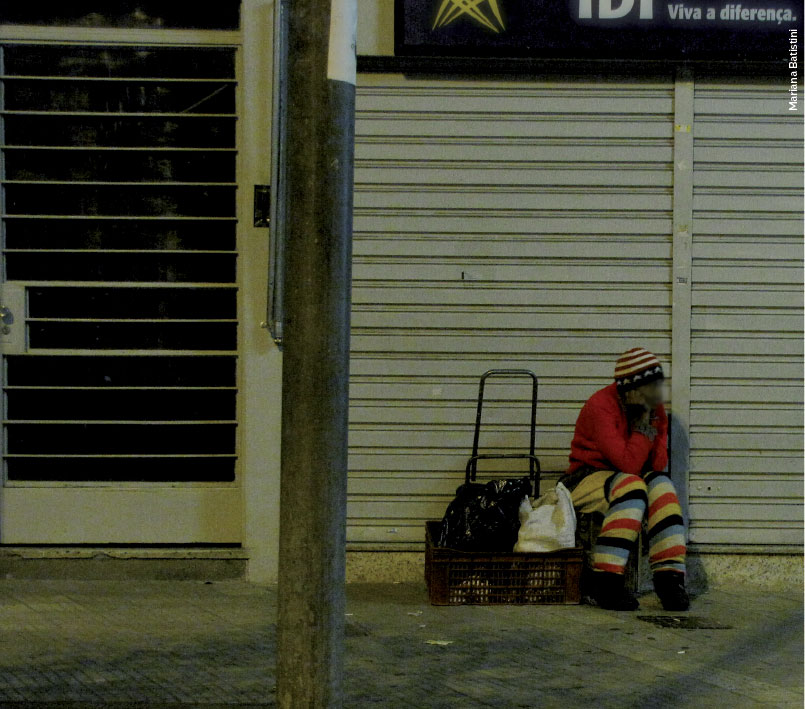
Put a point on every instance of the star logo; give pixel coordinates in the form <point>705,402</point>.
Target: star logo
<point>489,16</point>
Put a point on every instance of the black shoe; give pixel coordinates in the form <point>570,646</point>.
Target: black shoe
<point>670,587</point>
<point>610,592</point>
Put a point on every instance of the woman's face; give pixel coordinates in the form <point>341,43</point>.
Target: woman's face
<point>653,393</point>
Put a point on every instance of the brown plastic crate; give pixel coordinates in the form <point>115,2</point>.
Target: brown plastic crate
<point>485,578</point>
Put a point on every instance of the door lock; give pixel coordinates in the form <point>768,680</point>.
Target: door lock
<point>6,318</point>
<point>13,335</point>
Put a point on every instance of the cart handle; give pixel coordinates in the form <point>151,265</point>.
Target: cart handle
<point>534,469</point>
<point>533,464</point>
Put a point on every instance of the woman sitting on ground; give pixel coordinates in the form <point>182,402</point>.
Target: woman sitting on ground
<point>617,456</point>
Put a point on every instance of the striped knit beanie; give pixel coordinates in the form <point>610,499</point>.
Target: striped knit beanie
<point>637,367</point>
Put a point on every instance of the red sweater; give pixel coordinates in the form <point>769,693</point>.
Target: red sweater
<point>602,439</point>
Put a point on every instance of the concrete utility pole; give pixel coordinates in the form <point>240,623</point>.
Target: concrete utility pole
<point>317,285</point>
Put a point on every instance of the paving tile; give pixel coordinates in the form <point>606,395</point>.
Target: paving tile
<point>81,644</point>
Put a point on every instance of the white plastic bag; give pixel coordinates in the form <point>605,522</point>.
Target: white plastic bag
<point>548,523</point>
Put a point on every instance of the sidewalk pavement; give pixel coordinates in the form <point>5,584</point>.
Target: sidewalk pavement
<point>118,644</point>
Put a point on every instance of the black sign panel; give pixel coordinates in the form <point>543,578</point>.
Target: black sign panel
<point>751,30</point>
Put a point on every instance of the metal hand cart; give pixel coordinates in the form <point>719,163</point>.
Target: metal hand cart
<point>534,470</point>
<point>457,577</point>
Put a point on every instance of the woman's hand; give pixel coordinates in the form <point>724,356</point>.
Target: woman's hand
<point>635,398</point>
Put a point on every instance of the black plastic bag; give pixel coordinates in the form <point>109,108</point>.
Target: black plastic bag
<point>484,517</point>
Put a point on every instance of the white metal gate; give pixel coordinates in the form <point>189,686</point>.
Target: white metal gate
<point>120,275</point>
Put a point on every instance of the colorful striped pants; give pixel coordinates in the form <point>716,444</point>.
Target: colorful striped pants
<point>624,499</point>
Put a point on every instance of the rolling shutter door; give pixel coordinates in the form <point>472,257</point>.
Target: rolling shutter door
<point>497,224</point>
<point>746,328</point>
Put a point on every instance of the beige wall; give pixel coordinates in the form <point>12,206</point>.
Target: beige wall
<point>261,362</point>
<point>376,27</point>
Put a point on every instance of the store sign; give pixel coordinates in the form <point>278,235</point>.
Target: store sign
<point>752,30</point>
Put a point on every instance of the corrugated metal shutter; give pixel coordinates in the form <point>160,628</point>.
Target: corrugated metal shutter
<point>746,328</point>
<point>497,224</point>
